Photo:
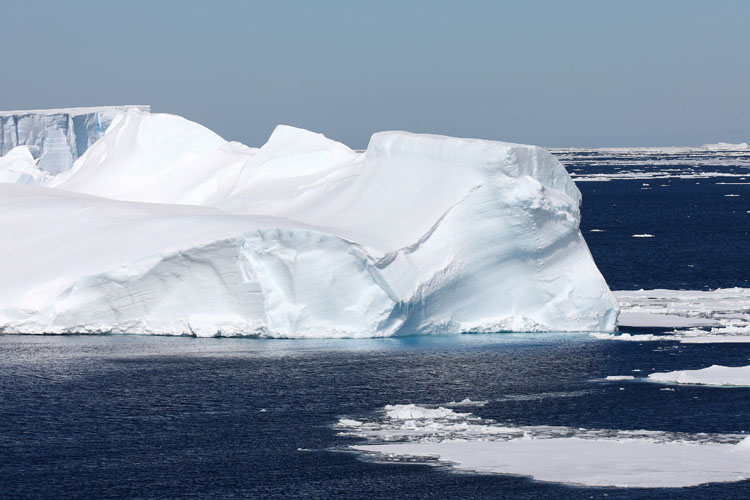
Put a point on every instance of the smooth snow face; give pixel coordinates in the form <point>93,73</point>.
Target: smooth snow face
<point>161,226</point>
<point>155,158</point>
<point>591,457</point>
<point>56,137</point>
<point>713,375</point>
<point>20,167</point>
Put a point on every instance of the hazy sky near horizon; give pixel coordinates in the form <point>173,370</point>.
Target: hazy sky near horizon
<point>554,73</point>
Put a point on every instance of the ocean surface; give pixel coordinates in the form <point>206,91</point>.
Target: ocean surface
<point>129,417</point>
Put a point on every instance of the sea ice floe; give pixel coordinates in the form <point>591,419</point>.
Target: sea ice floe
<point>728,146</point>
<point>468,402</point>
<point>647,337</point>
<point>630,318</point>
<point>590,457</point>
<point>715,375</point>
<point>721,315</point>
<point>608,164</point>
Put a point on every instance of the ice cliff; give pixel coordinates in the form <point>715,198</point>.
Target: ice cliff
<point>161,226</point>
<point>56,137</point>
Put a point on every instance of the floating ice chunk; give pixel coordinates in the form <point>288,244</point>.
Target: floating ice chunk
<point>713,375</point>
<point>710,339</point>
<point>718,335</point>
<point>624,464</point>
<point>644,235</point>
<point>654,320</point>
<point>468,402</point>
<point>620,377</point>
<point>728,146</point>
<point>725,311</point>
<point>591,457</point>
<point>626,337</point>
<point>348,422</point>
<point>415,412</point>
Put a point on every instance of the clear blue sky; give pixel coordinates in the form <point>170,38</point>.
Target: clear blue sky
<point>554,73</point>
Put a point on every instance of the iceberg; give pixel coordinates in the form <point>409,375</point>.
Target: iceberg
<point>728,146</point>
<point>160,226</point>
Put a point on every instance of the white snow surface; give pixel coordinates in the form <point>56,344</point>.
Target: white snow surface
<point>19,166</point>
<point>591,457</point>
<point>713,375</point>
<point>163,227</point>
<point>656,320</point>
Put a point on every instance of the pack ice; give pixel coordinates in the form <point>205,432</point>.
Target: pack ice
<point>161,226</point>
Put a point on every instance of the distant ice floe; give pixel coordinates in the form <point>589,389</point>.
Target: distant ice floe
<point>619,377</point>
<point>718,316</point>
<point>606,164</point>
<point>590,457</point>
<point>627,337</point>
<point>644,235</point>
<point>727,146</point>
<point>467,402</point>
<point>716,375</point>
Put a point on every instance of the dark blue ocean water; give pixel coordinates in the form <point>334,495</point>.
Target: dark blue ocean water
<point>126,417</point>
<point>139,418</point>
<point>701,236</point>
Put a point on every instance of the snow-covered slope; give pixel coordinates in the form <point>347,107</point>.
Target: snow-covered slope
<point>57,137</point>
<point>19,166</point>
<point>163,227</point>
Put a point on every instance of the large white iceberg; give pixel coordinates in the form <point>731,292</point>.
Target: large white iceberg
<point>161,226</point>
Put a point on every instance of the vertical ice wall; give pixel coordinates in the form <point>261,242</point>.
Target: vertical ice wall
<point>56,137</point>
